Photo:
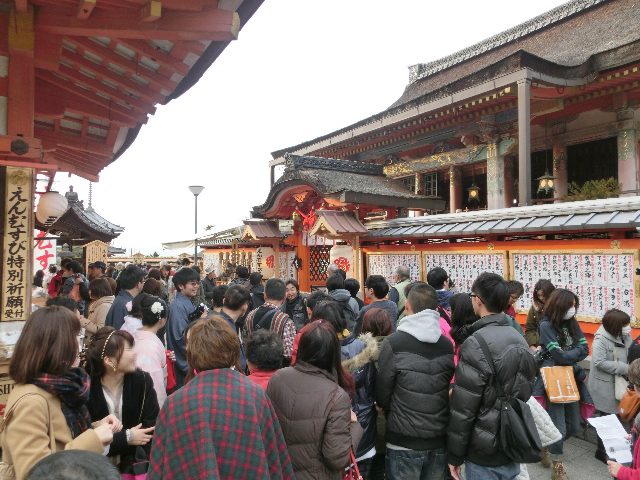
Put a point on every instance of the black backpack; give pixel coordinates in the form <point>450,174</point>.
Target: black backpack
<point>518,436</point>
<point>348,314</point>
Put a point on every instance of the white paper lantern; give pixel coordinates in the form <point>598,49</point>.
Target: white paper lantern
<point>51,207</point>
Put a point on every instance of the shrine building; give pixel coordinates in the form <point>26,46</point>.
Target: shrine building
<point>78,80</point>
<point>483,163</point>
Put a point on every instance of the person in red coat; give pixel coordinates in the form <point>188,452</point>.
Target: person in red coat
<point>264,356</point>
<point>615,469</point>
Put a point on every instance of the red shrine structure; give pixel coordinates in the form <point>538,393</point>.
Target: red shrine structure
<point>78,79</point>
<point>478,165</point>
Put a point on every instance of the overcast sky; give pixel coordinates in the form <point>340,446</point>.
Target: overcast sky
<point>300,69</point>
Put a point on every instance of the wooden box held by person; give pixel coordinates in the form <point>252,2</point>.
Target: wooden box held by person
<point>560,384</point>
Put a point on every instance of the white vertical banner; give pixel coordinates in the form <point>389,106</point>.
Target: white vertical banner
<point>265,262</point>
<point>342,256</point>
<point>212,259</point>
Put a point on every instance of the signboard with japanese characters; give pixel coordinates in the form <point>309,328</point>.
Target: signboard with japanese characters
<point>44,251</point>
<point>264,262</point>
<point>17,215</point>
<point>464,267</point>
<point>385,264</point>
<point>601,280</point>
<point>287,268</point>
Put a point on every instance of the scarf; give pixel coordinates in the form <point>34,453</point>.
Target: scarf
<point>72,388</point>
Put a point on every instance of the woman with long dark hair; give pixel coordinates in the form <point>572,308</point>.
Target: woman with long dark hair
<point>119,388</point>
<point>462,317</point>
<point>563,344</point>
<point>541,292</point>
<point>47,407</point>
<point>313,403</point>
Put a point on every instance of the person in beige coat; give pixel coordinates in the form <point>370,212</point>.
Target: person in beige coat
<point>46,410</point>
<point>313,407</point>
<point>101,300</point>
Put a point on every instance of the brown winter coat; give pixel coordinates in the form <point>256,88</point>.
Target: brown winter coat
<point>98,310</point>
<point>315,416</point>
<point>25,439</point>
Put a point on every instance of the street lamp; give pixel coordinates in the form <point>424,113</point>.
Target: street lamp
<point>196,190</point>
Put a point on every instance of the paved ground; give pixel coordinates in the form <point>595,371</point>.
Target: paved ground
<point>580,463</point>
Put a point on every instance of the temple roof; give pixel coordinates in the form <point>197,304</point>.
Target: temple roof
<point>346,181</point>
<point>569,45</point>
<point>102,67</point>
<point>584,216</point>
<point>80,225</point>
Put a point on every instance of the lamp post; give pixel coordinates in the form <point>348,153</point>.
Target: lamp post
<point>196,190</point>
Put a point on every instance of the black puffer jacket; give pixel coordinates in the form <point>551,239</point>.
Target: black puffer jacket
<point>297,311</point>
<point>360,364</point>
<point>414,372</point>
<point>474,422</point>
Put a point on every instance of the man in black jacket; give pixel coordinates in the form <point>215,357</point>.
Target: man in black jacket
<point>472,436</point>
<point>414,372</point>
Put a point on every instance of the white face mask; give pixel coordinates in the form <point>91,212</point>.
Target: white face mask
<point>626,330</point>
<point>570,313</point>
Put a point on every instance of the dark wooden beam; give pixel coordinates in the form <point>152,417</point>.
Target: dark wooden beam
<point>218,25</point>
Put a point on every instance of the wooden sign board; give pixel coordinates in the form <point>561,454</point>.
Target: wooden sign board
<point>385,264</point>
<point>464,267</point>
<point>17,242</point>
<point>602,280</point>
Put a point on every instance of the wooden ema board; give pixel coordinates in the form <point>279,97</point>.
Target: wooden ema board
<point>385,264</point>
<point>464,267</point>
<point>602,280</point>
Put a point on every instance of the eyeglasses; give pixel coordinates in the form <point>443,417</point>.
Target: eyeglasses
<point>477,296</point>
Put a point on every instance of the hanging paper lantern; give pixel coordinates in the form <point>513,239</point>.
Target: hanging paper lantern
<point>51,206</point>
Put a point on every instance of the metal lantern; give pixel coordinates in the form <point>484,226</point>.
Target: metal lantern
<point>474,192</point>
<point>51,206</point>
<point>545,182</point>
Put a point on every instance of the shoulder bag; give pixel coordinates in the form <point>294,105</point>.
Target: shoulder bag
<point>629,405</point>
<point>560,384</point>
<point>518,436</point>
<point>621,384</point>
<point>7,472</point>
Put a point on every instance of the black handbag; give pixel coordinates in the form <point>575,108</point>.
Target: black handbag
<point>518,436</point>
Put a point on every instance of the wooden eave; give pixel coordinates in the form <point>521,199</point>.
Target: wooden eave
<point>112,62</point>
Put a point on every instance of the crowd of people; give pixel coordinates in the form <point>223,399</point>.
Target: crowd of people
<point>166,373</point>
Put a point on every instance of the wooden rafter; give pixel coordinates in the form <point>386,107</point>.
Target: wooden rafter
<point>95,85</point>
<point>104,73</point>
<point>92,97</point>
<point>51,139</point>
<point>52,100</point>
<point>181,49</point>
<point>78,168</point>
<point>157,55</point>
<point>218,25</point>
<point>156,81</point>
<point>85,7</point>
